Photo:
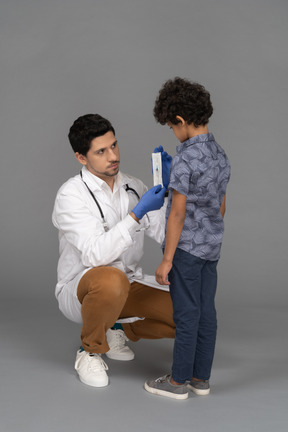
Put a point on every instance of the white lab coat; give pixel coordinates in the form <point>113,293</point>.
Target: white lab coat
<point>83,242</point>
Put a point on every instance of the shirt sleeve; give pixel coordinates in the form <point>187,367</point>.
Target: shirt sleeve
<point>86,234</point>
<point>180,176</point>
<point>223,180</point>
<point>156,223</point>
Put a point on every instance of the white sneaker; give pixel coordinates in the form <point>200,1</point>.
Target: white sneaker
<point>118,350</point>
<point>91,369</point>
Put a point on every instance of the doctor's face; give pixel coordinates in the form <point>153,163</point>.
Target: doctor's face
<point>103,157</point>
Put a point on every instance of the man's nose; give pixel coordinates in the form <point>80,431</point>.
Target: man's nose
<point>112,154</point>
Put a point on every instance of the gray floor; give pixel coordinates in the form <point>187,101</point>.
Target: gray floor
<point>40,390</point>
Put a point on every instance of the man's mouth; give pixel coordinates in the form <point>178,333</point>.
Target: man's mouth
<point>114,165</point>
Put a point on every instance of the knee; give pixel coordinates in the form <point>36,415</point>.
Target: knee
<point>115,284</point>
<point>107,282</point>
<point>185,322</point>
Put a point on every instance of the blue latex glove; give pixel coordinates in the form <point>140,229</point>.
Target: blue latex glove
<point>166,165</point>
<point>153,199</point>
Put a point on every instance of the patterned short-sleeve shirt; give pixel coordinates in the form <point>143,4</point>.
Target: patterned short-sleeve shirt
<point>200,171</point>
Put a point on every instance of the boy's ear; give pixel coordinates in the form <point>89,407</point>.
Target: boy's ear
<point>81,158</point>
<point>181,120</point>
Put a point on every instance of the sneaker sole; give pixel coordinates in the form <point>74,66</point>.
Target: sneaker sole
<point>198,392</point>
<point>119,357</point>
<point>164,393</point>
<point>100,384</point>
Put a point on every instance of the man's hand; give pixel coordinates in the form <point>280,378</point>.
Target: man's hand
<point>162,271</point>
<point>166,165</point>
<point>153,199</point>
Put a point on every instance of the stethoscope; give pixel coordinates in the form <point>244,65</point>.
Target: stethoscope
<point>127,188</point>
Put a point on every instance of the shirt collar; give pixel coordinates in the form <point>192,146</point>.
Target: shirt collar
<point>95,183</point>
<point>197,139</point>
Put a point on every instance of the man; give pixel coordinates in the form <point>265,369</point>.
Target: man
<point>102,215</point>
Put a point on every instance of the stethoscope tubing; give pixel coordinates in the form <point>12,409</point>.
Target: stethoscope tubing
<point>127,188</point>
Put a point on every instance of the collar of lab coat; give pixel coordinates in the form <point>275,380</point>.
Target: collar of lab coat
<point>95,183</point>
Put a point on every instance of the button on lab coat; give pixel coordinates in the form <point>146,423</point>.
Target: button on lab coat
<point>83,241</point>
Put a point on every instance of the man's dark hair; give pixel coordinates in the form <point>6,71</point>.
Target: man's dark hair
<point>85,129</point>
<point>189,100</point>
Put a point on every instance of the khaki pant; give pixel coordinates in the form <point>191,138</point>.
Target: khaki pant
<point>106,295</point>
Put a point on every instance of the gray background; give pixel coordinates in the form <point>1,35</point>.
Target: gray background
<point>62,59</point>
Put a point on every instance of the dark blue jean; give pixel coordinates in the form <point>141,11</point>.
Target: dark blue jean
<point>192,289</point>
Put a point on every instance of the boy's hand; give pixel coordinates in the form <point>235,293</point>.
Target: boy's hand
<point>162,271</point>
<point>166,165</point>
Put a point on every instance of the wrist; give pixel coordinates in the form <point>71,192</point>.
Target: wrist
<point>167,260</point>
<point>132,214</point>
<point>138,211</point>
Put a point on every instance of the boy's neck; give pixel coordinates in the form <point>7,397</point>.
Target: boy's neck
<point>194,131</point>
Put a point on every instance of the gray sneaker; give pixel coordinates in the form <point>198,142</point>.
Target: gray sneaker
<point>201,388</point>
<point>163,387</point>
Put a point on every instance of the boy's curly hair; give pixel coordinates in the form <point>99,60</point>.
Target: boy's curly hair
<point>189,100</point>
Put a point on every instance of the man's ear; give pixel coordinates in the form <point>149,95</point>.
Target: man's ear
<point>81,158</point>
<point>181,120</point>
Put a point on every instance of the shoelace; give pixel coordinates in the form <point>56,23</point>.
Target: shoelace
<point>96,363</point>
<point>162,379</point>
<point>120,339</point>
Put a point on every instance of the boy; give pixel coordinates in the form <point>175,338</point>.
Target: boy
<point>194,229</point>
